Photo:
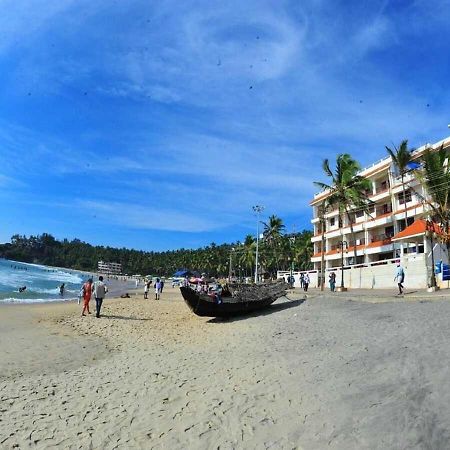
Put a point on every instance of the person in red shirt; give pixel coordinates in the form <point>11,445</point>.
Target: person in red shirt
<point>87,291</point>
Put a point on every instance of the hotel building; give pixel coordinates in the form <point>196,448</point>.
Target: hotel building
<point>109,268</point>
<point>383,236</point>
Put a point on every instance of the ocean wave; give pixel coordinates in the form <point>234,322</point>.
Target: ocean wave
<point>35,300</point>
<point>43,290</point>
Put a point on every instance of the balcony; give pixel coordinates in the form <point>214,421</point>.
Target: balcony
<point>382,210</point>
<point>356,242</point>
<point>383,238</point>
<point>381,190</point>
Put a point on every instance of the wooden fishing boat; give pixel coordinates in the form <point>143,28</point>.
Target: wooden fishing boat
<point>235,299</point>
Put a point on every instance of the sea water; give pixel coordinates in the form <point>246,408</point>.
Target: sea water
<point>42,282</point>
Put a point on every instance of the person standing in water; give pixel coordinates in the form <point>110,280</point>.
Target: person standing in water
<point>61,289</point>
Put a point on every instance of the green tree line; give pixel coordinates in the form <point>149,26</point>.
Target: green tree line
<point>277,250</point>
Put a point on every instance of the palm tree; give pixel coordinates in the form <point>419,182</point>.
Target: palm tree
<point>272,233</point>
<point>322,211</point>
<point>401,157</point>
<point>434,176</point>
<point>302,249</point>
<point>347,189</point>
<point>247,257</point>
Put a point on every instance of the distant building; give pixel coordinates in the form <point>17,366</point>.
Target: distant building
<point>110,268</point>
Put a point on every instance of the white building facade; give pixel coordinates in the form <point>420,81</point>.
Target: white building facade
<point>382,237</point>
<point>109,268</point>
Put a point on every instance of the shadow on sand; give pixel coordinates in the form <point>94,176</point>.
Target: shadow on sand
<point>274,308</point>
<point>111,316</point>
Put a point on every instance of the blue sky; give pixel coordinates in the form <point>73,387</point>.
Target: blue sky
<point>157,125</point>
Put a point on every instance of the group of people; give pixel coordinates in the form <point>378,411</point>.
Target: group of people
<point>99,289</point>
<point>304,281</point>
<point>399,278</point>
<point>159,286</point>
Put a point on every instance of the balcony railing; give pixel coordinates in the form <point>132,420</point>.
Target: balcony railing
<point>361,241</point>
<point>381,190</point>
<point>381,210</point>
<point>385,238</point>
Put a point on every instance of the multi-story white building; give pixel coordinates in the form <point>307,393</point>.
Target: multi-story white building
<point>381,237</point>
<point>110,268</point>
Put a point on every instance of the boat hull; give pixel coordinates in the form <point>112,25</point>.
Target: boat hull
<point>241,301</point>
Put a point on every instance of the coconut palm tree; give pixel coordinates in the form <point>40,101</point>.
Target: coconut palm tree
<point>273,230</point>
<point>434,176</point>
<point>323,207</point>
<point>401,157</point>
<point>302,249</point>
<point>247,257</point>
<point>347,189</point>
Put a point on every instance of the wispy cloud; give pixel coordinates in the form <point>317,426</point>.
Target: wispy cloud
<point>209,107</point>
<point>154,217</point>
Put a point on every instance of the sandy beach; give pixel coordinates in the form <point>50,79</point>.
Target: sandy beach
<point>325,373</point>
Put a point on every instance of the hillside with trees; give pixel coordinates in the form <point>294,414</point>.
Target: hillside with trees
<point>277,250</point>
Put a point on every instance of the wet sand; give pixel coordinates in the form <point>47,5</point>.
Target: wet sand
<point>326,373</point>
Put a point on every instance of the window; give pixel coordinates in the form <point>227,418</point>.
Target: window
<point>389,231</point>
<point>359,213</point>
<point>401,223</point>
<point>407,196</point>
<point>332,222</point>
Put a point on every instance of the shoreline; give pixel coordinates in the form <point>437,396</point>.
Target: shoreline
<point>331,372</point>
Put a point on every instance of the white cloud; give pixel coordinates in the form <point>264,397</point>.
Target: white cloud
<point>153,217</point>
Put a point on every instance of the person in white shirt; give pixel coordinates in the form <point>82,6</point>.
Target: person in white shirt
<point>99,290</point>
<point>305,282</point>
<point>400,277</point>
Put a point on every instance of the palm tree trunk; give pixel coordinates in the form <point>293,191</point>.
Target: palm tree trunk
<point>322,261</point>
<point>352,233</point>
<point>404,200</point>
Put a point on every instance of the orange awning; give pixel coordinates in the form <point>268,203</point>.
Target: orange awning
<point>416,229</point>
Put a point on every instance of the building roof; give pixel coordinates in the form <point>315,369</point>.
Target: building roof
<point>418,228</point>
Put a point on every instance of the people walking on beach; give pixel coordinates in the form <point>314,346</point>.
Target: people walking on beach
<point>87,291</point>
<point>147,285</point>
<point>157,289</point>
<point>99,289</point>
<point>302,280</point>
<point>162,285</point>
<point>80,295</point>
<point>291,281</point>
<point>305,282</point>
<point>400,277</point>
<point>332,281</point>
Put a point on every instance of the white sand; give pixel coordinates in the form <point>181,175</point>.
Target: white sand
<point>323,374</point>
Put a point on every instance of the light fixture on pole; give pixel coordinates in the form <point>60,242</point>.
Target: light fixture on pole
<point>291,258</point>
<point>230,271</point>
<point>342,245</point>
<point>258,209</point>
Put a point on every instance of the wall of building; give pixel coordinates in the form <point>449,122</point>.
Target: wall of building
<point>379,275</point>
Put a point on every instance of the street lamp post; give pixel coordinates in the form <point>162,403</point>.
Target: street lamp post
<point>230,271</point>
<point>258,209</point>
<point>342,245</point>
<point>291,241</point>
